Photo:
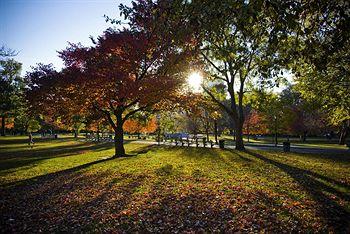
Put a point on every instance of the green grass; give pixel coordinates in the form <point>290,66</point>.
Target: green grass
<point>67,185</point>
<point>313,142</point>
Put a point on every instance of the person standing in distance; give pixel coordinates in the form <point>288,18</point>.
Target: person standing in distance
<point>31,142</point>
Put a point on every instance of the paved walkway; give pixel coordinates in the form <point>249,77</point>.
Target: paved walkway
<point>272,147</point>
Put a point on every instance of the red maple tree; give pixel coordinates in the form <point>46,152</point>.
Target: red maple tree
<point>125,72</point>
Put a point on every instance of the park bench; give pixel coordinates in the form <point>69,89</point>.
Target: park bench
<point>192,141</point>
<point>53,136</point>
<point>211,143</point>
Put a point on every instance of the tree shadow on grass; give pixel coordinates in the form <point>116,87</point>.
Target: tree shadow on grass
<point>5,142</point>
<point>55,151</point>
<point>46,177</point>
<point>142,150</point>
<point>7,167</point>
<point>72,202</point>
<point>207,211</point>
<point>197,152</point>
<point>10,161</point>
<point>239,154</point>
<point>336,216</point>
<point>66,200</point>
<point>339,157</point>
<point>108,205</point>
<point>216,155</point>
<point>29,195</point>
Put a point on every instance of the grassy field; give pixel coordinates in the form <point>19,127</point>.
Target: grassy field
<point>65,185</point>
<point>313,142</point>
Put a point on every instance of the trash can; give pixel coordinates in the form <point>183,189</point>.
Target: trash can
<point>286,146</point>
<point>56,136</point>
<point>221,144</point>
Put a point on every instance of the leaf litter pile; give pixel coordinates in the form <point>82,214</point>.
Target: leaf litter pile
<point>184,190</point>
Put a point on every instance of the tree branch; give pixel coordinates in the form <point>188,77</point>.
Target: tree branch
<point>228,110</point>
<point>128,115</point>
<point>211,63</point>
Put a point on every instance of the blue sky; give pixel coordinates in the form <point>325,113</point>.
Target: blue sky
<point>37,29</point>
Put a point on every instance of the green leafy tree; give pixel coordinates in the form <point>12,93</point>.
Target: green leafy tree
<point>322,62</point>
<point>238,41</point>
<point>22,116</point>
<point>11,86</point>
<point>276,115</point>
<point>33,125</point>
<point>307,117</point>
<point>330,88</point>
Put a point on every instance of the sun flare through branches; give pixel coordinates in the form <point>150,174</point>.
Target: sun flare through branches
<point>194,81</point>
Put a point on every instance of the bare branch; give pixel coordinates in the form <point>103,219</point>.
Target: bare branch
<point>212,63</point>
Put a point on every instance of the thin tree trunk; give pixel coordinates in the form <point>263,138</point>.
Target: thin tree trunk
<point>216,131</point>
<point>276,137</point>
<point>207,132</point>
<point>25,129</point>
<point>303,136</point>
<point>159,136</point>
<point>248,131</point>
<point>98,133</point>
<point>3,125</point>
<point>344,132</point>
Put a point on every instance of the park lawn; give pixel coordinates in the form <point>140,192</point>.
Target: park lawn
<point>321,143</point>
<point>67,185</point>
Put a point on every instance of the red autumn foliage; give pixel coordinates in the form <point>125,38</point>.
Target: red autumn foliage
<point>255,124</point>
<point>135,126</point>
<point>123,73</point>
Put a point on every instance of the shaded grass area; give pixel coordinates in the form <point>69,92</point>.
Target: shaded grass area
<point>67,185</point>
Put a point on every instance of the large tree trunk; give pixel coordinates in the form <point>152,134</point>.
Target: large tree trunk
<point>234,111</point>
<point>239,137</point>
<point>3,125</point>
<point>344,132</point>
<point>118,132</point>
<point>238,119</point>
<point>119,142</point>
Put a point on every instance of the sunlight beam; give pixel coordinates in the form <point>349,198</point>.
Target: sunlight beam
<point>194,81</point>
